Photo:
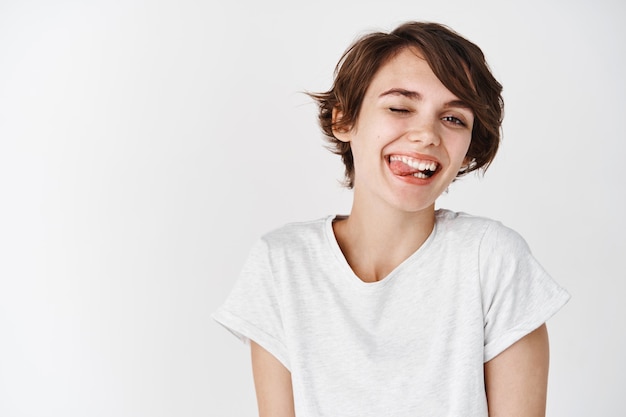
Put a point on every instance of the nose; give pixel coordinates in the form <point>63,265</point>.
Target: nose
<point>424,130</point>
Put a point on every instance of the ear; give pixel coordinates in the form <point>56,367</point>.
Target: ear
<point>468,163</point>
<point>340,133</point>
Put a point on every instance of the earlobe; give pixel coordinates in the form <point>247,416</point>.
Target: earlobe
<point>340,133</point>
<point>468,163</point>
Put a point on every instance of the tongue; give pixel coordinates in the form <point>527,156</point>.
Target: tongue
<point>400,168</point>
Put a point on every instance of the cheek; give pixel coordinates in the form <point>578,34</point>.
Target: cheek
<point>466,148</point>
<point>459,148</point>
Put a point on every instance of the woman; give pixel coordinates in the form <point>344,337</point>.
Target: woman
<point>400,309</point>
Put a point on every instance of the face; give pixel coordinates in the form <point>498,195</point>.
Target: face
<point>411,136</point>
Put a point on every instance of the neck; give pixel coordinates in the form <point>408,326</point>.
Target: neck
<point>376,241</point>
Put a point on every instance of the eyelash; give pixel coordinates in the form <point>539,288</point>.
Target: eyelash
<point>454,120</point>
<point>451,119</point>
<point>397,110</point>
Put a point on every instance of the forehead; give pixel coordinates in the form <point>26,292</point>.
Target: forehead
<point>407,69</point>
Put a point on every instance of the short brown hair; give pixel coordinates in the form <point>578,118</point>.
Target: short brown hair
<point>458,63</point>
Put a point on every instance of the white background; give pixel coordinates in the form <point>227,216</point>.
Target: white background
<point>145,145</point>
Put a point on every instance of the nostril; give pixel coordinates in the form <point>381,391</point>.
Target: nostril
<point>424,136</point>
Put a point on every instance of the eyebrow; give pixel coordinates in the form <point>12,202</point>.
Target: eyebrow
<point>402,92</point>
<point>414,95</point>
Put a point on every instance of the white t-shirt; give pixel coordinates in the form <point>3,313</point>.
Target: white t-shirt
<point>413,344</point>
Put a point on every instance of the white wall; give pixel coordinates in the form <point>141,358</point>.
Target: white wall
<point>145,145</point>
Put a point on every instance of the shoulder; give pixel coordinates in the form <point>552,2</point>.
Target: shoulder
<point>280,249</point>
<point>298,235</point>
<point>487,234</point>
<point>467,225</point>
<point>461,221</point>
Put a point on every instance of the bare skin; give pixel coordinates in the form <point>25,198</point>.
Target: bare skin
<point>367,248</point>
<point>272,382</point>
<point>516,380</point>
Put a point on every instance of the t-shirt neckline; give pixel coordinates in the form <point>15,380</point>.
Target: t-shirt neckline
<point>346,269</point>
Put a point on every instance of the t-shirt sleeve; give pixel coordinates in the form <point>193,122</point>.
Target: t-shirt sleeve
<point>252,310</point>
<point>518,294</point>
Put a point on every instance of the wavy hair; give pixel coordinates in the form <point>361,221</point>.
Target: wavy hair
<point>458,63</point>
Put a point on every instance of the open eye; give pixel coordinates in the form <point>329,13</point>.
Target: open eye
<point>453,120</point>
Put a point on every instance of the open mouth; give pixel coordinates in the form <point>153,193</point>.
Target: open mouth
<point>418,168</point>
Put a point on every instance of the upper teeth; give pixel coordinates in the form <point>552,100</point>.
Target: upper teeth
<point>415,164</point>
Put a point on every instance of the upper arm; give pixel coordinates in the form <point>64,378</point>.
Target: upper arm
<point>272,382</point>
<point>516,380</point>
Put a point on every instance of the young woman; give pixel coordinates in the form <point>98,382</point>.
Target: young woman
<point>399,309</point>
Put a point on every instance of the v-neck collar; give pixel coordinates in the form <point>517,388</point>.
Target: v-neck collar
<point>347,269</point>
